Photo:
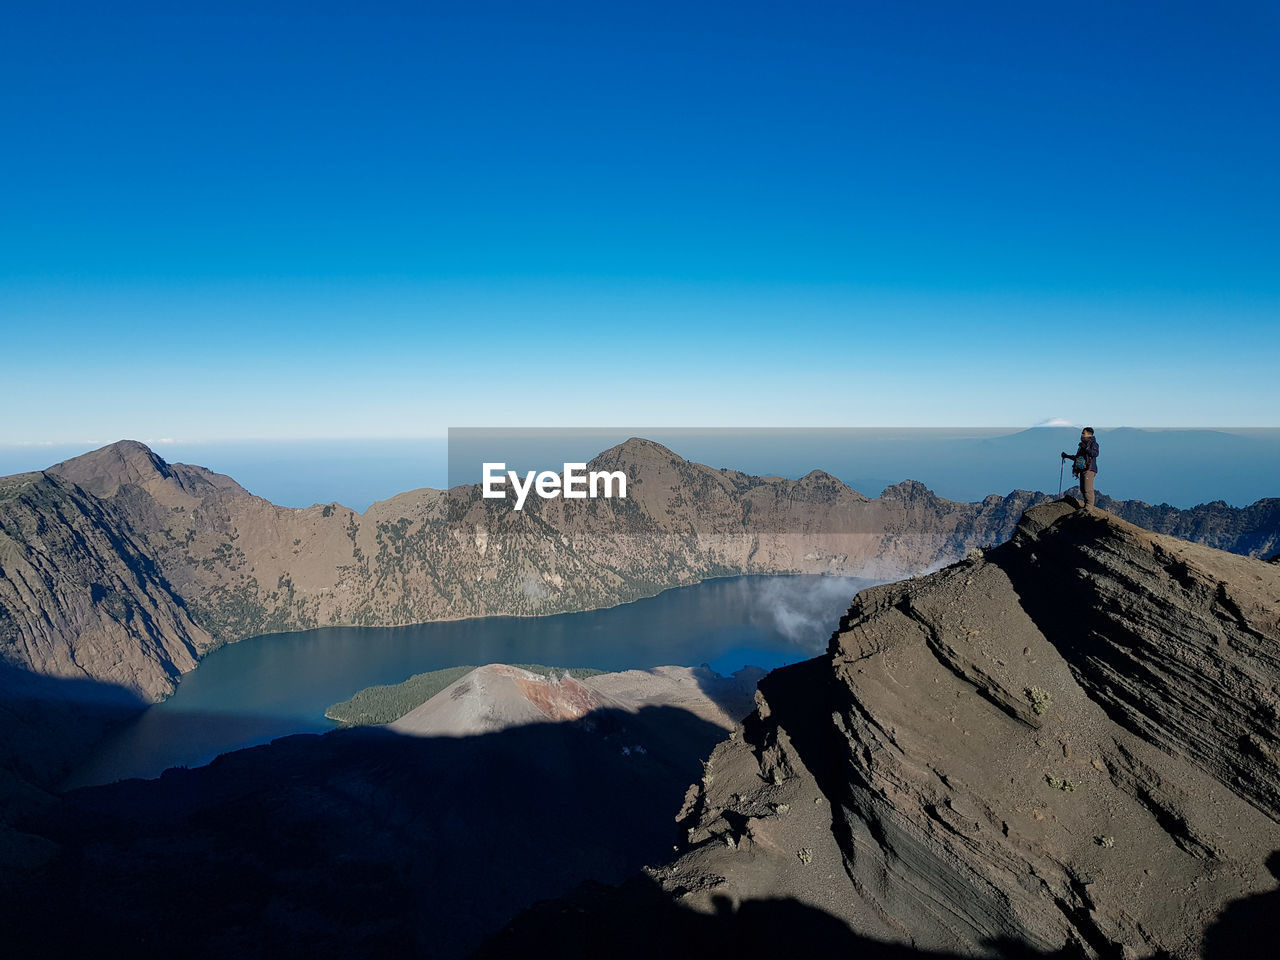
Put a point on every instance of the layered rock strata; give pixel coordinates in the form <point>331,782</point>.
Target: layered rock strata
<point>1065,743</point>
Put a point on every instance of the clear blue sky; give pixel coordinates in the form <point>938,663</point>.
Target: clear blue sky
<point>380,220</point>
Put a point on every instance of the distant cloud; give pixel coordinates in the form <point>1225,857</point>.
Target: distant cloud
<point>1054,422</point>
<point>163,440</point>
<point>32,443</point>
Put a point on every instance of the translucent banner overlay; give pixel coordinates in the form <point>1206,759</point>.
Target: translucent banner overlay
<point>1178,466</point>
<point>875,503</point>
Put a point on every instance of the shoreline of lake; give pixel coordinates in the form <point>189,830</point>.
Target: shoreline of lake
<point>255,690</point>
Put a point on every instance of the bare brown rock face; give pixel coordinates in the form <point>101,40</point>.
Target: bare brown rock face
<point>119,567</point>
<point>1068,742</point>
<point>1253,530</point>
<point>82,595</point>
<point>499,697</point>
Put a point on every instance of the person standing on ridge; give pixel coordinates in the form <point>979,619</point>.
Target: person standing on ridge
<point>1085,464</point>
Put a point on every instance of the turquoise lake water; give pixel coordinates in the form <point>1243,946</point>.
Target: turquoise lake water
<point>254,691</point>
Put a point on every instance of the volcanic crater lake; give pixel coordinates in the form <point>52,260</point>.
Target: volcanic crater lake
<point>256,690</point>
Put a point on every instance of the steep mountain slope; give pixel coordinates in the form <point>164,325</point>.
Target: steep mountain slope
<point>120,567</point>
<point>1066,743</point>
<point>82,595</point>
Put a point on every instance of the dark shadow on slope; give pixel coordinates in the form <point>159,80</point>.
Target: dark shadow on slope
<point>357,843</point>
<point>1112,618</point>
<point>734,694</point>
<point>48,724</point>
<point>1054,582</point>
<point>158,739</point>
<point>55,729</point>
<point>638,921</point>
<point>1250,927</point>
<point>803,694</point>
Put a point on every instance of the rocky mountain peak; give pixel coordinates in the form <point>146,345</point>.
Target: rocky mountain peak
<point>635,451</point>
<point>820,478</point>
<point>103,471</point>
<point>1090,704</point>
<point>908,490</point>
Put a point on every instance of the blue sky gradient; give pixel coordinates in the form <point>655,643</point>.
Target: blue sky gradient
<point>321,221</point>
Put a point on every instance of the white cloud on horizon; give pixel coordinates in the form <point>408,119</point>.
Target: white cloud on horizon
<point>1054,422</point>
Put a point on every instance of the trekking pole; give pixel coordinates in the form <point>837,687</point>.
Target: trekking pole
<point>1061,463</point>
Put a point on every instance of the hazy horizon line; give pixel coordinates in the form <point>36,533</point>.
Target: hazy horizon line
<point>170,441</point>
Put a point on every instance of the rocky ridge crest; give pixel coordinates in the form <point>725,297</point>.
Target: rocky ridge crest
<point>1067,742</point>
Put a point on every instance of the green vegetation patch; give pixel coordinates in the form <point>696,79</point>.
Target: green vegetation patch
<point>1041,700</point>
<point>385,703</point>
<point>12,487</point>
<point>8,626</point>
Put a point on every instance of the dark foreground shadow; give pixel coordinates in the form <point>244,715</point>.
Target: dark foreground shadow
<point>363,843</point>
<point>639,922</point>
<point>49,724</point>
<point>357,843</point>
<point>734,694</point>
<point>1249,927</point>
